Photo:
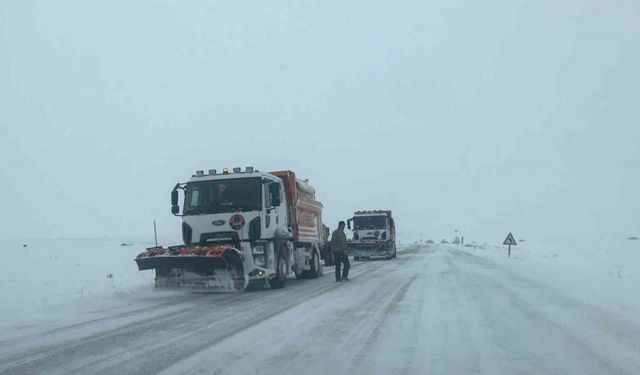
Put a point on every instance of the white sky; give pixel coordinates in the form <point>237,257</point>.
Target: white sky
<point>487,117</point>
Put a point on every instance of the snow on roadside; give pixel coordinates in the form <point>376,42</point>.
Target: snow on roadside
<point>50,282</point>
<point>601,272</point>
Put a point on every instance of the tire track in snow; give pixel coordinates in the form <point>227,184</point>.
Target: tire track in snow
<point>340,319</point>
<point>606,321</point>
<point>533,336</point>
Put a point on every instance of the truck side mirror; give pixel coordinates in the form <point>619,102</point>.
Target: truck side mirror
<point>349,224</point>
<point>274,191</point>
<point>174,198</point>
<point>175,209</point>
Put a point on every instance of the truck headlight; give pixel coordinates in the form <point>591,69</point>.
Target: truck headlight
<point>258,249</point>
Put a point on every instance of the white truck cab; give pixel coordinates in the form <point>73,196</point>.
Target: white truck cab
<point>374,235</point>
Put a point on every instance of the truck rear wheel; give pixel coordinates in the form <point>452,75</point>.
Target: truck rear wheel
<point>281,270</point>
<point>327,255</point>
<point>315,266</point>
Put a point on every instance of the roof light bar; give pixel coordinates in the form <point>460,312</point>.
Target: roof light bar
<point>199,173</point>
<point>237,170</point>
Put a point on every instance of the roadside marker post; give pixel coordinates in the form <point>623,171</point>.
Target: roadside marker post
<point>509,241</point>
<point>155,233</point>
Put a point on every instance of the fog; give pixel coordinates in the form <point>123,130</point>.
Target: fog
<point>483,117</point>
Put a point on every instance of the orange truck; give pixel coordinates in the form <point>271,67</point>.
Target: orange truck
<point>240,228</point>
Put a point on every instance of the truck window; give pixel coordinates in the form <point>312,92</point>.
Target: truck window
<point>369,222</point>
<point>223,196</point>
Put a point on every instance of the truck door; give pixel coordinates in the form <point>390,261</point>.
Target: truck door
<point>274,205</point>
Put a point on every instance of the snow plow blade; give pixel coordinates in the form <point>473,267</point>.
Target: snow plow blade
<point>369,250</point>
<point>210,268</point>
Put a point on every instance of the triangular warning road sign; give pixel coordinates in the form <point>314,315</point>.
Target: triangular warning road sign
<point>509,240</point>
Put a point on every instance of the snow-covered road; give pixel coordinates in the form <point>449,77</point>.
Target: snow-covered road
<point>434,310</point>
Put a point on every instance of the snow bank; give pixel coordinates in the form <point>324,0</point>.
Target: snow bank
<point>50,281</point>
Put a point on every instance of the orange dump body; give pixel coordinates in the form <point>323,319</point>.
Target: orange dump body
<point>305,211</point>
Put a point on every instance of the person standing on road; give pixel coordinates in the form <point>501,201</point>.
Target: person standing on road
<point>339,250</point>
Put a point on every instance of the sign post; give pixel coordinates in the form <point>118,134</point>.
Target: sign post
<point>510,241</point>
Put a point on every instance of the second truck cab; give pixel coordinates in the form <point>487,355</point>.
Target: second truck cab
<point>374,235</point>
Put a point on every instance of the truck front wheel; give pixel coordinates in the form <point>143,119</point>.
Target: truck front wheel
<point>280,279</point>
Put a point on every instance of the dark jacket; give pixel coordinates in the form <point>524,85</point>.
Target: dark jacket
<point>338,241</point>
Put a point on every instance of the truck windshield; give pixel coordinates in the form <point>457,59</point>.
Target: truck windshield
<point>369,222</point>
<point>221,196</point>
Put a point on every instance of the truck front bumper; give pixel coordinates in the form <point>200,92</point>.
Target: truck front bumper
<point>369,249</point>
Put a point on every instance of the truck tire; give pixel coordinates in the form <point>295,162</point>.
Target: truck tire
<point>280,280</point>
<point>315,266</point>
<point>394,250</point>
<point>327,255</point>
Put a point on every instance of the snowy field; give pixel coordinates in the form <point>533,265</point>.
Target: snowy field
<point>605,272</point>
<point>438,309</point>
<point>51,283</point>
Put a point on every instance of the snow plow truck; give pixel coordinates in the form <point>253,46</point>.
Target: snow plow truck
<point>374,235</point>
<point>240,228</point>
